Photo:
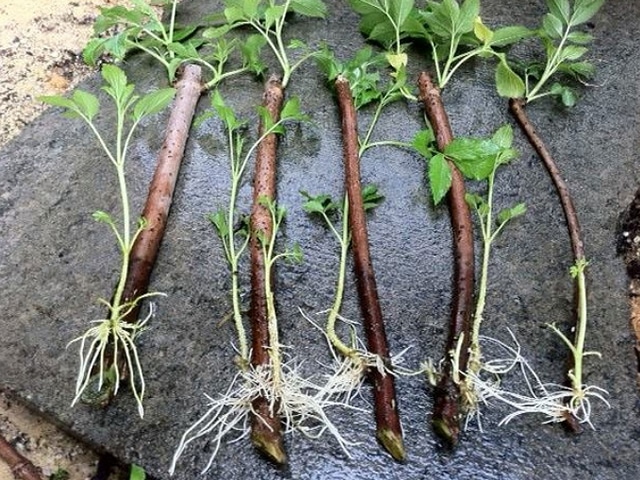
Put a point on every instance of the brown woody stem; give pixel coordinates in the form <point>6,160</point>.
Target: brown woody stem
<point>21,467</point>
<point>446,414</point>
<point>156,209</point>
<point>517,108</point>
<point>266,430</point>
<point>389,431</point>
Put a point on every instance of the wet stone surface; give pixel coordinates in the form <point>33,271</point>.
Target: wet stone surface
<point>55,262</point>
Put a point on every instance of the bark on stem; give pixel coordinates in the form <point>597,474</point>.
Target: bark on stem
<point>389,431</point>
<point>446,413</point>
<point>517,108</point>
<point>516,105</point>
<point>266,430</point>
<point>20,466</point>
<point>156,209</point>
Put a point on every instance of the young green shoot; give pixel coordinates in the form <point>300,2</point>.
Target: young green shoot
<point>234,240</point>
<point>336,218</point>
<point>564,48</point>
<point>299,401</point>
<point>268,18</point>
<point>456,34</point>
<point>101,345</point>
<point>363,74</point>
<point>477,159</point>
<point>490,227</point>
<point>141,28</point>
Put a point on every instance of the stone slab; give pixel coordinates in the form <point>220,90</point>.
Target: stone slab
<point>55,261</point>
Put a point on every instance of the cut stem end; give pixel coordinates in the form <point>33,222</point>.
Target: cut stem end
<point>392,442</point>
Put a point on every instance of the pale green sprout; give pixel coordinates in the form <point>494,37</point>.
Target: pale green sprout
<point>563,46</point>
<point>141,28</point>
<point>268,18</point>
<point>114,330</point>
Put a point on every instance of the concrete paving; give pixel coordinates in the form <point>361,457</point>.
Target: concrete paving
<point>55,261</point>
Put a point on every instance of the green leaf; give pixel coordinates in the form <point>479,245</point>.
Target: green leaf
<point>469,11</point>
<point>318,204</point>
<point>476,168</point>
<point>371,197</point>
<point>581,38</point>
<point>328,64</point>
<point>566,94</point>
<point>569,97</point>
<point>552,26</point>
<point>219,221</point>
<point>92,51</point>
<point>86,103</point>
<point>57,101</point>
<point>234,14</point>
<point>423,142</point>
<point>400,10</point>
<point>102,217</point>
<point>296,44</point>
<point>250,8</point>
<point>172,69</point>
<point>291,110</point>
<point>268,124</point>
<point>153,102</point>
<point>272,14</point>
<point>309,8</point>
<point>216,32</point>
<point>584,10</point>
<point>572,52</point>
<point>439,177</point>
<point>474,200</point>
<point>184,50</point>
<point>180,34</point>
<point>508,83</point>
<point>509,35</point>
<point>115,78</point>
<point>225,112</point>
<point>295,255</point>
<point>313,206</point>
<point>251,50</point>
<point>382,20</point>
<point>117,46</point>
<point>503,136</point>
<point>482,32</point>
<point>560,9</point>
<point>511,213</point>
<point>442,18</point>
<point>474,157</point>
<point>137,473</point>
<point>578,69</point>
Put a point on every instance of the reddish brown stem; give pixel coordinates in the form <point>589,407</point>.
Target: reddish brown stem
<point>516,105</point>
<point>266,430</point>
<point>517,108</point>
<point>446,413</point>
<point>389,431</point>
<point>156,209</point>
<point>21,467</point>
